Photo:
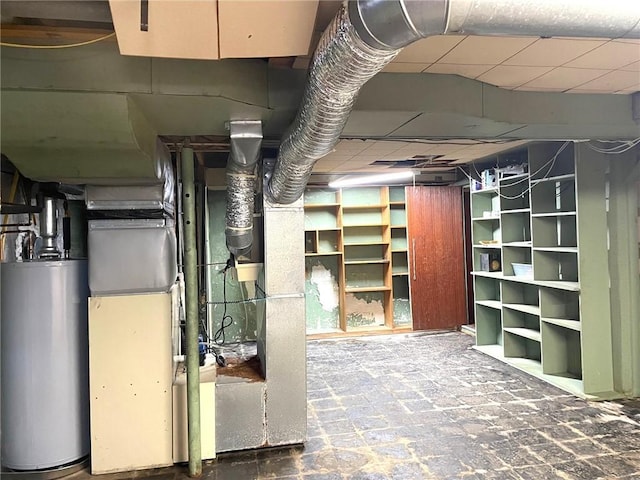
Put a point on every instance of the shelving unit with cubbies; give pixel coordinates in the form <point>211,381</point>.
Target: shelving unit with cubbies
<point>366,230</point>
<point>541,321</point>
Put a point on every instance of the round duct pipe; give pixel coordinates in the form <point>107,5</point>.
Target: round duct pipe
<point>366,35</point>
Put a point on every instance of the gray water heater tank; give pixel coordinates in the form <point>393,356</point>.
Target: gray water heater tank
<point>45,372</point>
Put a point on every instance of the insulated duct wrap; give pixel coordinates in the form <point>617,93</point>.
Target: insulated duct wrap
<point>239,220</point>
<point>341,65</point>
<point>246,141</point>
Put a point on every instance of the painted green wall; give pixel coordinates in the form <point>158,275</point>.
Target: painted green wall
<point>243,327</point>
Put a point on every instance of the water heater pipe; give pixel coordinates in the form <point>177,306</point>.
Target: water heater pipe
<point>191,308</point>
<point>49,228</point>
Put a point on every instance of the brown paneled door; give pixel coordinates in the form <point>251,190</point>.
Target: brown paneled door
<point>437,258</point>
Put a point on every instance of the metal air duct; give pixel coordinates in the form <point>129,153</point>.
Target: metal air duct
<point>365,35</point>
<point>246,140</point>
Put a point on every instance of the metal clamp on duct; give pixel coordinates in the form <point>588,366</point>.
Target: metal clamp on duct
<point>246,140</point>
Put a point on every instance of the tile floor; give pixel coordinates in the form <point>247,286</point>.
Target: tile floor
<point>424,407</point>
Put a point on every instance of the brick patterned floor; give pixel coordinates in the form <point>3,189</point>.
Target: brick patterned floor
<point>422,407</point>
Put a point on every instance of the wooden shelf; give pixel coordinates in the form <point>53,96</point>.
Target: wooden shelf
<point>561,322</point>
<point>362,207</point>
<point>516,210</point>
<point>534,368</point>
<point>370,242</point>
<point>348,244</point>
<point>524,332</point>
<point>320,205</point>
<point>557,249</point>
<point>557,178</point>
<point>485,190</point>
<point>526,244</point>
<point>491,245</point>
<point>490,303</point>
<point>554,214</point>
<point>571,286</point>
<point>536,323</point>
<point>381,288</point>
<point>518,176</point>
<point>524,308</point>
<point>366,262</point>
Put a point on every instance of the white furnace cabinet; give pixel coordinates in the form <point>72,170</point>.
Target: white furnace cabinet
<point>130,376</point>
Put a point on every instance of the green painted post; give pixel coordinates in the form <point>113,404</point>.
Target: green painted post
<point>191,294</point>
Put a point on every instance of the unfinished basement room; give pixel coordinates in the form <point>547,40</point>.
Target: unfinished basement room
<point>319,239</point>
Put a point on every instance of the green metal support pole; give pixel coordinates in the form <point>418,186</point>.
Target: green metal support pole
<point>191,295</point>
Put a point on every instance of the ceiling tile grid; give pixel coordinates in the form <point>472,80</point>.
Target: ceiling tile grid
<point>529,64</point>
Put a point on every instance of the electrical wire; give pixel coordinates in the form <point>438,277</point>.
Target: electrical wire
<point>227,320</point>
<point>438,141</point>
<point>52,47</point>
<point>551,163</point>
<point>621,147</point>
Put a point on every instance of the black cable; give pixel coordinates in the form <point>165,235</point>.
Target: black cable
<point>227,320</point>
<point>261,292</point>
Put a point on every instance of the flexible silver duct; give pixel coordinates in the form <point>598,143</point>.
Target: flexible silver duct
<point>246,140</point>
<point>341,65</point>
<point>365,35</point>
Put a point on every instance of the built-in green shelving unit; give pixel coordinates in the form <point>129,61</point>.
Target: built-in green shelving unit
<point>535,309</point>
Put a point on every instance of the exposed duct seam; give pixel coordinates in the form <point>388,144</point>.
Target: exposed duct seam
<point>246,141</point>
<point>349,54</point>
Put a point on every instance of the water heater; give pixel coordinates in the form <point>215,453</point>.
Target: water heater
<point>45,386</point>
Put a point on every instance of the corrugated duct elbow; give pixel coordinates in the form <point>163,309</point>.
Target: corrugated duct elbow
<point>246,141</point>
<point>366,35</point>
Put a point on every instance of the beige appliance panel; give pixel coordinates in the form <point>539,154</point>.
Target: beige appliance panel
<point>207,415</point>
<point>176,28</point>
<point>130,376</point>
<point>266,28</point>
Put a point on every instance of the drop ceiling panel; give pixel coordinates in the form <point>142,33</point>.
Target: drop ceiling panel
<point>553,52</point>
<point>459,151</point>
<point>445,125</point>
<point>512,76</point>
<point>405,67</point>
<point>486,50</point>
<point>366,123</point>
<point>349,147</point>
<point>632,67</point>
<point>611,55</point>
<point>613,81</point>
<point>560,132</point>
<point>384,148</point>
<point>469,71</point>
<point>515,62</point>
<point>429,50</point>
<point>566,78</point>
